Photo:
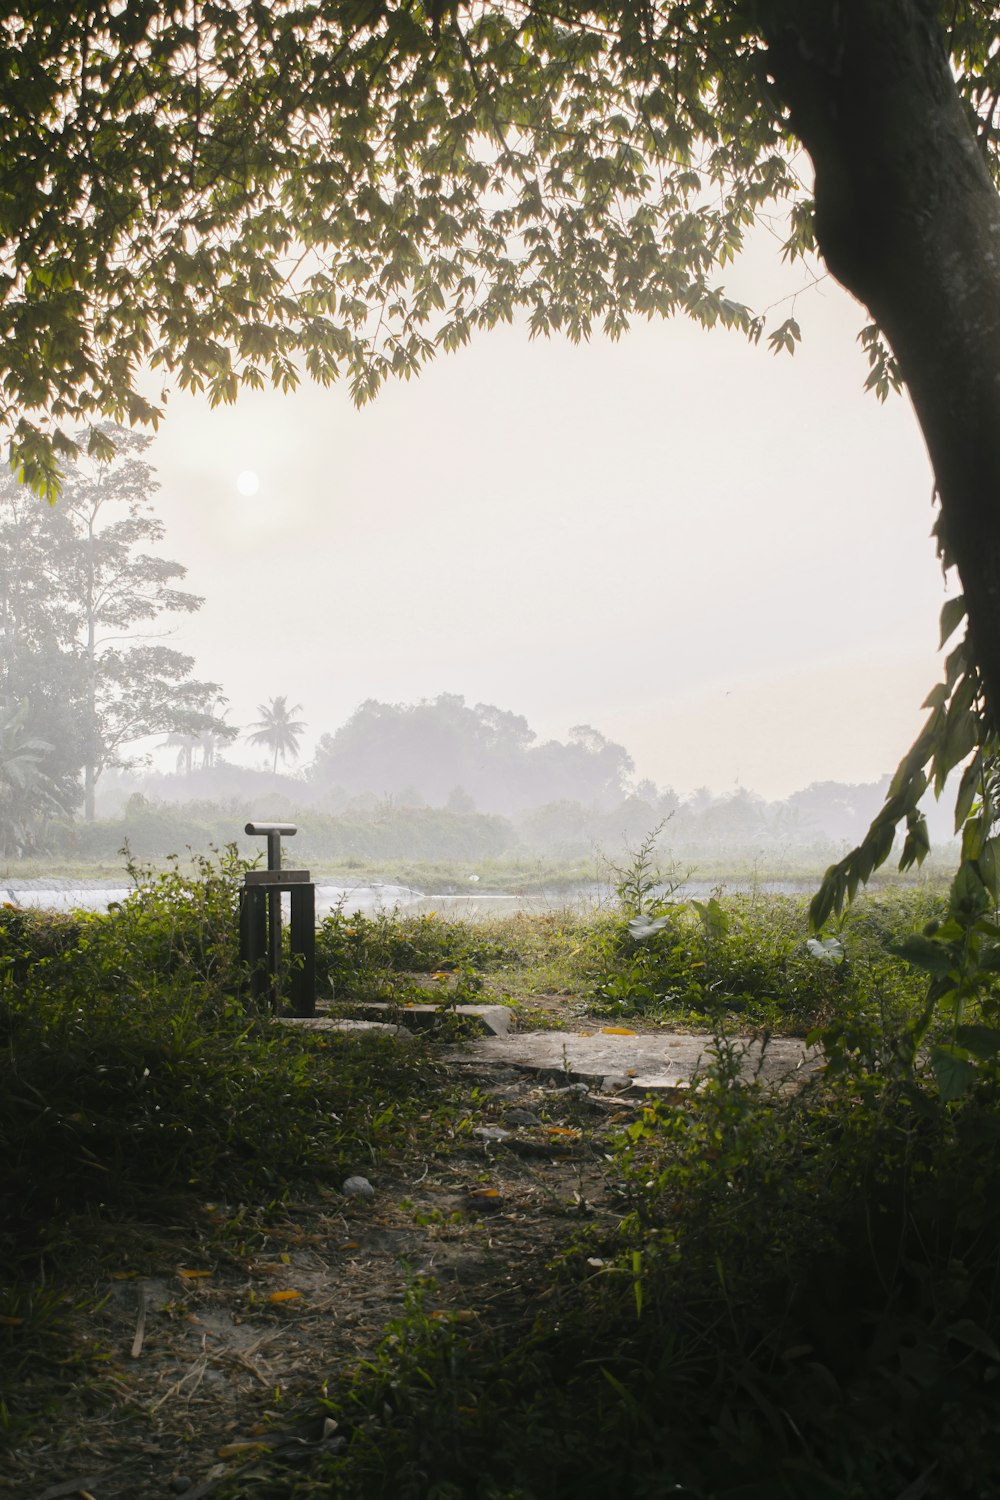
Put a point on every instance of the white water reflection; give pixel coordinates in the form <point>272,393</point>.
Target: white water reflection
<point>67,895</point>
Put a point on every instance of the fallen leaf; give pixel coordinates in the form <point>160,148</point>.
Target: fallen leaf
<point>123,1275</point>
<point>560,1130</point>
<point>193,1275</point>
<point>233,1450</point>
<point>289,1296</point>
<point>617,1031</point>
<point>8,1322</point>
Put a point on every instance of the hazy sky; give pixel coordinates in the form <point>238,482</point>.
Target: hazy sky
<point>718,557</point>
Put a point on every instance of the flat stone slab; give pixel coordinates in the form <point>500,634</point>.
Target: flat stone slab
<point>331,1023</point>
<point>475,1019</point>
<point>639,1062</point>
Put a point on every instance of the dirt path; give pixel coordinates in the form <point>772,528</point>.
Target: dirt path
<point>200,1353</point>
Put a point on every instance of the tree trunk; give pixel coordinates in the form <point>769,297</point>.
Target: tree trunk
<point>908,220</point>
<point>90,768</point>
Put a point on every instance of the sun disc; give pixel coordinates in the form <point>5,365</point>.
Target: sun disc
<point>247,482</point>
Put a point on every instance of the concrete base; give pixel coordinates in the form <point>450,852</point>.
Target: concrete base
<point>643,1064</point>
<point>329,1023</point>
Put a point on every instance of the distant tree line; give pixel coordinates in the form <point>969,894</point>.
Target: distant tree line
<point>444,753</point>
<point>364,830</point>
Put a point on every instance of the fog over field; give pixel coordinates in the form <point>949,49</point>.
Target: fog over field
<point>717,557</point>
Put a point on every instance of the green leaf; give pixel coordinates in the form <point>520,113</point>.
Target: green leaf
<point>924,953</point>
<point>828,898</point>
<point>829,951</point>
<point>953,1071</point>
<point>968,895</point>
<point>918,843</point>
<point>968,789</point>
<point>952,616</point>
<point>646,927</point>
<point>714,917</point>
<point>988,865</point>
<point>982,1041</point>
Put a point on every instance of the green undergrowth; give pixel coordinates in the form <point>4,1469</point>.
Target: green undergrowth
<point>798,1297</point>
<point>800,1300</point>
<point>741,961</point>
<point>135,1084</point>
<point>746,961</point>
<point>393,955</point>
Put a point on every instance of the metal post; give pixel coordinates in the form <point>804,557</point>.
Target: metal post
<point>260,925</point>
<point>303,945</point>
<point>253,940</point>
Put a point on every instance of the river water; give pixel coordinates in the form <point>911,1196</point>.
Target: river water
<point>97,895</point>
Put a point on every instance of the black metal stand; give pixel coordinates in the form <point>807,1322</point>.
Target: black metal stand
<point>260,926</point>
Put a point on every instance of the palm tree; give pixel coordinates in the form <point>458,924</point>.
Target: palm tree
<point>27,793</point>
<point>277,729</point>
<point>185,745</point>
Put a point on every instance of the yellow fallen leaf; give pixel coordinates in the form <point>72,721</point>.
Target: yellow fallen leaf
<point>193,1275</point>
<point>233,1450</point>
<point>123,1275</point>
<point>617,1031</point>
<point>289,1296</point>
<point>560,1130</point>
<point>8,1322</point>
<point>484,1193</point>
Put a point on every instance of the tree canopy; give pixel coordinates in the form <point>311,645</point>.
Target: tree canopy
<point>236,191</point>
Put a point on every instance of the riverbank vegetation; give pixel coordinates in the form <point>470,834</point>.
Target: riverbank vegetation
<point>731,1291</point>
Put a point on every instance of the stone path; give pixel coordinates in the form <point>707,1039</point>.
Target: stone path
<point>617,1060</point>
<point>613,1058</point>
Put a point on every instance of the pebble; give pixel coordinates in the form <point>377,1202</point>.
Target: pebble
<point>358,1187</point>
<point>181,1484</point>
<point>615,1083</point>
<point>521,1117</point>
<point>491,1133</point>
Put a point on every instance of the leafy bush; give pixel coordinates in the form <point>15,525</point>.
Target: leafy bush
<point>130,1068</point>
<point>358,953</point>
<point>746,959</point>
